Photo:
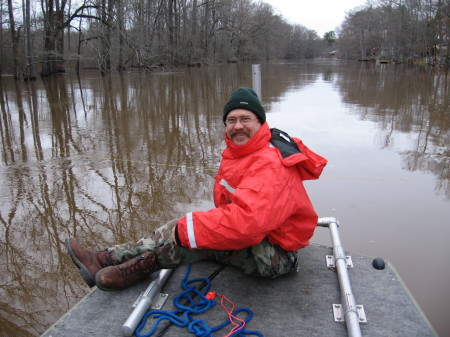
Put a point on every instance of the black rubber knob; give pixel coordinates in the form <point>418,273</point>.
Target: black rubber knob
<point>378,263</point>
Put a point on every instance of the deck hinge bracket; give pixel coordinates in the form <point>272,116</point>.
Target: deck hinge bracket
<point>340,317</point>
<point>331,261</point>
<point>158,301</point>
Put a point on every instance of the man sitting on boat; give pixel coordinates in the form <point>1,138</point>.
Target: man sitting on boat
<point>263,214</point>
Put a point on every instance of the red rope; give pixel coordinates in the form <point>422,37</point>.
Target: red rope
<point>237,322</point>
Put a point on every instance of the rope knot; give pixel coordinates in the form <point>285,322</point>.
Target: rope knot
<point>182,317</point>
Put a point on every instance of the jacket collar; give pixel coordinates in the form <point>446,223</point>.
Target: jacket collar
<point>257,142</point>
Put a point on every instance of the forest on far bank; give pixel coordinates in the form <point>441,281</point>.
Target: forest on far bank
<point>49,36</point>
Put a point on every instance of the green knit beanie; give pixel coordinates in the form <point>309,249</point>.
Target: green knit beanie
<point>245,98</point>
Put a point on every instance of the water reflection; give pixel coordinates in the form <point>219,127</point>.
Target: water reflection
<point>107,159</point>
<point>413,102</point>
<point>103,159</point>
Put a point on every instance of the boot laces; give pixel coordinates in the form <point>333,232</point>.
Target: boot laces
<point>109,259</point>
<point>138,267</point>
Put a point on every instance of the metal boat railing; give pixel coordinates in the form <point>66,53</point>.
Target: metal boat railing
<point>349,307</point>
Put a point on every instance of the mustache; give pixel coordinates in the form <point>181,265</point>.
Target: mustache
<point>240,132</point>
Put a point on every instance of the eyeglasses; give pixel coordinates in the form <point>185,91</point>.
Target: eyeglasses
<point>243,120</point>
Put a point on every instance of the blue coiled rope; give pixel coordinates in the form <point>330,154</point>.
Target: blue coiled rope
<point>182,317</point>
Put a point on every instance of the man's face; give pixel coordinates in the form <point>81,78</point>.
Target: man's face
<point>241,126</point>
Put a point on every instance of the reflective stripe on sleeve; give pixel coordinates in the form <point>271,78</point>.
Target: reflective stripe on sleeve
<point>190,230</point>
<point>225,184</point>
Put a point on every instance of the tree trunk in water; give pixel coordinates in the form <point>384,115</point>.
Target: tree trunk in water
<point>193,35</point>
<point>120,65</point>
<point>105,40</point>
<point>53,61</point>
<point>80,41</point>
<point>171,29</point>
<point>14,39</point>
<point>30,73</point>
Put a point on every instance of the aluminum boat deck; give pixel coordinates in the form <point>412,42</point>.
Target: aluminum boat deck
<point>298,304</point>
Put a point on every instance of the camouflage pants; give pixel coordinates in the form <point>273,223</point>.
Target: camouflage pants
<point>263,259</point>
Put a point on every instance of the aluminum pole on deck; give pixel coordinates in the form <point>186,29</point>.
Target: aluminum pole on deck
<point>349,306</point>
<point>145,302</point>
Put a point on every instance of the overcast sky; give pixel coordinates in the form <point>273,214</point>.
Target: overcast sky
<point>319,15</point>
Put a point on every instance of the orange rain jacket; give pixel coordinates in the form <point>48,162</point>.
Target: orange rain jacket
<point>257,194</point>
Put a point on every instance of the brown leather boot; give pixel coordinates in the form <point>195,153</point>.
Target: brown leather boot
<point>89,262</point>
<point>127,273</point>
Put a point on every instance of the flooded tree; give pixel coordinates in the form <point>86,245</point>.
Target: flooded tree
<point>398,31</point>
<point>30,72</point>
<point>58,15</point>
<point>105,12</point>
<point>14,40</point>
<point>53,18</point>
